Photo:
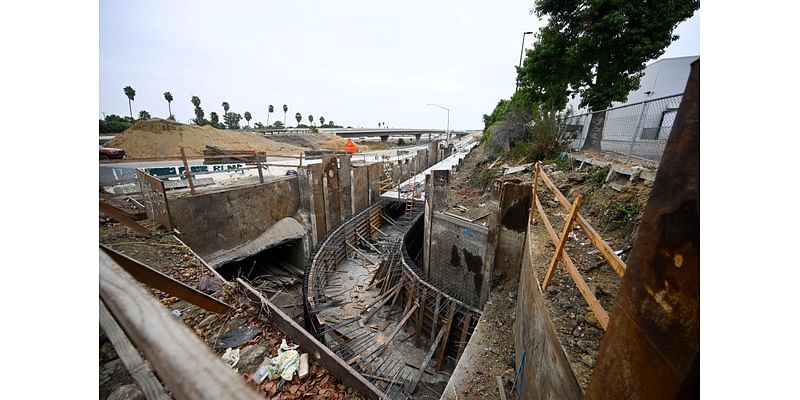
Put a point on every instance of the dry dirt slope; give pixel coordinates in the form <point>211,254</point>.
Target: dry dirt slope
<point>162,138</point>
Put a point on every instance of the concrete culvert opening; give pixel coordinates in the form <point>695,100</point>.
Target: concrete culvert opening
<point>276,271</point>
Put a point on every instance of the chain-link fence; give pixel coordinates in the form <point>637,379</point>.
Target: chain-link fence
<point>635,130</point>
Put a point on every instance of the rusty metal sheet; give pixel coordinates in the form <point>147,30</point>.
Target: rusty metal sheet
<point>652,346</point>
<point>155,199</point>
<point>153,278</point>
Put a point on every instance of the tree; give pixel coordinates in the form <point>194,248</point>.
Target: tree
<point>600,48</point>
<point>321,120</point>
<point>114,123</point>
<point>311,119</point>
<point>285,109</point>
<point>144,115</point>
<point>269,111</point>
<point>195,101</point>
<point>232,120</point>
<point>130,93</point>
<point>247,117</point>
<point>214,118</point>
<point>298,117</point>
<point>168,98</point>
<point>199,116</point>
<point>226,107</point>
<point>277,125</point>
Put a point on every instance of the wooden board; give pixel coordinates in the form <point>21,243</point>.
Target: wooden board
<point>173,350</point>
<point>562,241</point>
<point>140,372</point>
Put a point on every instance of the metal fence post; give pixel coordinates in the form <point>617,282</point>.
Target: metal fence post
<point>636,131</point>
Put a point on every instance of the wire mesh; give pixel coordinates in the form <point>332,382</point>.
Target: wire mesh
<point>636,130</point>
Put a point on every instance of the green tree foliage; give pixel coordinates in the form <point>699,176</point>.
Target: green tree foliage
<point>321,120</point>
<point>225,107</point>
<point>214,118</point>
<point>130,93</point>
<point>285,109</point>
<point>248,117</point>
<point>270,109</point>
<point>144,115</point>
<point>195,101</point>
<point>199,116</point>
<point>168,98</point>
<point>277,125</point>
<point>311,119</point>
<point>115,124</point>
<point>597,48</point>
<point>232,120</point>
<point>298,117</point>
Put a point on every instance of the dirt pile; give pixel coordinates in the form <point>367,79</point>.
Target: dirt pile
<point>313,141</point>
<point>163,138</point>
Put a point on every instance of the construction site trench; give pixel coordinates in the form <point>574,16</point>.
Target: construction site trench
<point>437,273</point>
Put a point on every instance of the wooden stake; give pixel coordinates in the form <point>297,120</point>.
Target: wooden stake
<point>561,243</point>
<point>464,330</point>
<point>413,385</point>
<point>440,357</point>
<point>187,171</point>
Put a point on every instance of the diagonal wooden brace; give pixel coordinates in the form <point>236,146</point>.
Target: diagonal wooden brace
<point>548,276</point>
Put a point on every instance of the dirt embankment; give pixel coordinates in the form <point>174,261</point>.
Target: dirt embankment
<point>163,138</point>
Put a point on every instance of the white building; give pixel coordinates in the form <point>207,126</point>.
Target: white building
<point>641,124</point>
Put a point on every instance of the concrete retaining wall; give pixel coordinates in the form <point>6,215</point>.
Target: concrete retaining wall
<point>215,221</point>
<point>456,256</point>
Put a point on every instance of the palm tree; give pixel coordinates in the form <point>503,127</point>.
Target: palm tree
<point>168,98</point>
<point>270,109</point>
<point>311,119</point>
<point>131,94</point>
<point>247,117</point>
<point>214,118</point>
<point>298,117</point>
<point>285,109</point>
<point>321,120</point>
<point>195,101</point>
<point>226,106</point>
<point>144,114</point>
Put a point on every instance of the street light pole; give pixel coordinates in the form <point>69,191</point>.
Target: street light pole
<point>447,132</point>
<point>521,50</point>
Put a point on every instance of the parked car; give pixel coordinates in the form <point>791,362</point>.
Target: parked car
<point>110,153</point>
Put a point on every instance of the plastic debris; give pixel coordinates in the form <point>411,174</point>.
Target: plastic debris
<point>176,313</point>
<point>231,357</point>
<point>284,365</point>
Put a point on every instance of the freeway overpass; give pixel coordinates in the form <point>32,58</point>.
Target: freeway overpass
<point>385,133</point>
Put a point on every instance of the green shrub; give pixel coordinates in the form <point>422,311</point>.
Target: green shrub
<point>620,214</point>
<point>597,175</point>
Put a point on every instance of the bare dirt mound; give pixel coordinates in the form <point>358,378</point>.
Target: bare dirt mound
<point>314,141</point>
<point>162,138</point>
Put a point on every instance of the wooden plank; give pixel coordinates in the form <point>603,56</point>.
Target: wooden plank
<point>378,304</point>
<point>173,350</point>
<point>440,357</point>
<point>613,260</point>
<point>597,309</point>
<point>187,171</point>
<point>123,217</point>
<point>318,351</point>
<point>464,331</point>
<point>142,374</point>
<point>413,384</point>
<point>400,325</point>
<point>561,242</point>
<point>500,388</point>
<point>164,283</point>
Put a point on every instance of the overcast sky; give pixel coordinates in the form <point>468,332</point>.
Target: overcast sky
<point>356,63</point>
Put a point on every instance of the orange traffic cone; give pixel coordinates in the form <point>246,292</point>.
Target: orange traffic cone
<point>350,147</point>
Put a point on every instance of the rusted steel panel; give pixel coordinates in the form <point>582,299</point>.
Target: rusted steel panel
<point>319,199</point>
<point>652,346</point>
<point>346,205</point>
<point>360,188</point>
<point>330,167</point>
<point>375,171</point>
<point>155,199</point>
<point>543,369</point>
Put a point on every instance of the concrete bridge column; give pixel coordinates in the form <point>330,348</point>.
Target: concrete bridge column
<point>385,138</point>
<point>417,137</point>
